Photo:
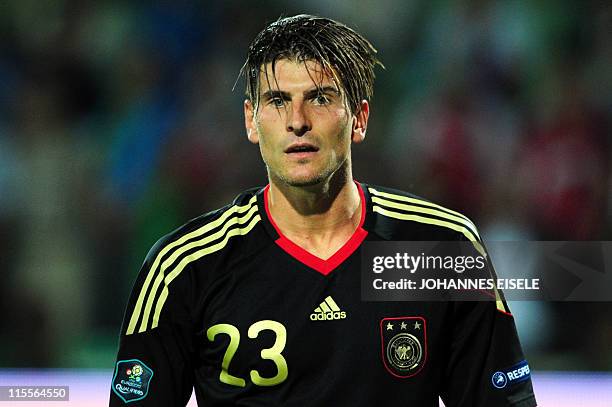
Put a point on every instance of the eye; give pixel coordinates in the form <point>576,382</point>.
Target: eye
<point>277,102</point>
<point>321,100</point>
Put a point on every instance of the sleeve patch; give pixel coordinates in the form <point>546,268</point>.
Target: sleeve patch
<point>512,375</point>
<point>131,380</point>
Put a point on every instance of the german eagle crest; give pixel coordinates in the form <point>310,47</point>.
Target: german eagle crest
<point>404,345</point>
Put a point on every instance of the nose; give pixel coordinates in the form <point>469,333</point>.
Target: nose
<point>298,121</point>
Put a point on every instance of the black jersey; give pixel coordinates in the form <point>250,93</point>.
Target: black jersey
<point>229,306</point>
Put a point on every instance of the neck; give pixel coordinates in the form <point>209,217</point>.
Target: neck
<point>320,218</point>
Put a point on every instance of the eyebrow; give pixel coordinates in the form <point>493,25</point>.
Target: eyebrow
<point>271,94</point>
<point>323,89</point>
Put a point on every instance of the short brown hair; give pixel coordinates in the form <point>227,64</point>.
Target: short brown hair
<point>347,54</point>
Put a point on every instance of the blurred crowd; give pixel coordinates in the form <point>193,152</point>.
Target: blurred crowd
<point>119,121</point>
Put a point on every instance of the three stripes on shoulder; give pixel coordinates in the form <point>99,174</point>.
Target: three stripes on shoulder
<point>173,258</point>
<point>417,210</point>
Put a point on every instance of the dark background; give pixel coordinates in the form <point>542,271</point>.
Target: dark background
<point>118,123</point>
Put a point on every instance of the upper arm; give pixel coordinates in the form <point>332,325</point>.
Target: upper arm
<point>159,342</point>
<point>486,365</point>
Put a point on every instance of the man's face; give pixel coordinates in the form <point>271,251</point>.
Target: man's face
<point>303,125</point>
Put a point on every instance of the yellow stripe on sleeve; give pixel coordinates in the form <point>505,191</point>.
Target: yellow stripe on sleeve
<point>461,229</point>
<point>193,257</point>
<point>422,202</point>
<point>428,211</point>
<point>168,262</point>
<point>198,232</point>
<point>422,219</point>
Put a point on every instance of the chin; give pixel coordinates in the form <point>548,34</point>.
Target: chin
<point>303,181</point>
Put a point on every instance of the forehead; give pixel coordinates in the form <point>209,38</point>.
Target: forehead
<point>292,75</point>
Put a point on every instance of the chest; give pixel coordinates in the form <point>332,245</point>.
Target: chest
<point>272,324</point>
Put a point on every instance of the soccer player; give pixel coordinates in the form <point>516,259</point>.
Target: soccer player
<point>259,303</point>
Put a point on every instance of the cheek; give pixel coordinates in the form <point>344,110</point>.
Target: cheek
<point>344,132</point>
<point>266,142</point>
<point>344,124</point>
<point>268,124</point>
<point>269,117</point>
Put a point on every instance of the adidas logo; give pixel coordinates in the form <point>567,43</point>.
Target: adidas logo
<point>328,310</point>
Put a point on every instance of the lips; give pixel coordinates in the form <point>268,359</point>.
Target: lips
<point>301,148</point>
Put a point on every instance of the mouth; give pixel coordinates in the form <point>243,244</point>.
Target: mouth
<point>301,148</point>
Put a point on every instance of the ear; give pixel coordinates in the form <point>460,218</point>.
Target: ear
<point>360,123</point>
<point>249,122</point>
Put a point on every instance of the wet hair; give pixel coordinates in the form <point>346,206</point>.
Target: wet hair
<point>347,55</point>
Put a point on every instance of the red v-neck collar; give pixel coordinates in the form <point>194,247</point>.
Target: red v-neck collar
<point>322,266</point>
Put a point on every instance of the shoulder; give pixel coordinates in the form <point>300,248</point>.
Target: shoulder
<point>210,231</point>
<point>400,215</point>
<point>163,277</point>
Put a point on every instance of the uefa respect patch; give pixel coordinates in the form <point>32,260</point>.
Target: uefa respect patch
<point>512,375</point>
<point>131,380</point>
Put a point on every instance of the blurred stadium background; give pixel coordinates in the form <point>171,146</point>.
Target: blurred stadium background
<point>118,123</point>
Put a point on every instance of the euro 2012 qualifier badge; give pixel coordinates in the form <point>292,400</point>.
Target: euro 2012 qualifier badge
<point>404,345</point>
<point>131,380</point>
